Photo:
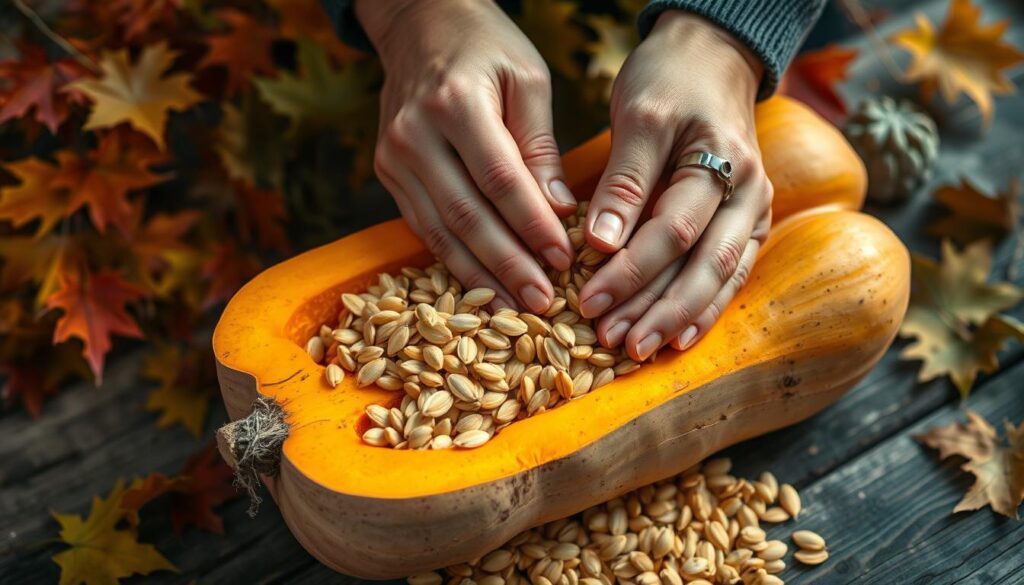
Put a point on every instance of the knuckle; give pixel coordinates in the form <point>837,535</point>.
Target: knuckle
<point>399,134</point>
<point>535,77</point>
<point>533,228</point>
<point>624,185</point>
<point>498,179</point>
<point>646,298</point>
<point>505,268</point>
<point>676,312</point>
<point>683,231</point>
<point>714,310</point>
<point>631,272</point>
<point>645,114</point>
<point>461,216</point>
<point>438,239</point>
<point>540,148</point>
<point>742,273</point>
<point>725,258</point>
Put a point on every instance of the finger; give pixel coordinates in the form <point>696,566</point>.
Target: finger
<point>680,217</point>
<point>713,262</point>
<point>415,203</point>
<point>695,331</point>
<point>493,159</point>
<point>640,148</point>
<point>529,121</point>
<point>612,328</point>
<point>473,221</point>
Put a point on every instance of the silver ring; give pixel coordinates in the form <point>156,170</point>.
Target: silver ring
<point>718,165</point>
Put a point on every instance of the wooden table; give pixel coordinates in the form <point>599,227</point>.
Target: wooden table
<point>883,501</point>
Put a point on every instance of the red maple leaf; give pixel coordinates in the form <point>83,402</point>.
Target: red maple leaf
<point>34,84</point>
<point>94,309</point>
<point>145,490</point>
<point>28,385</point>
<point>243,52</point>
<point>210,486</point>
<point>103,178</point>
<point>812,78</point>
<point>139,17</point>
<point>227,270</point>
<point>261,214</point>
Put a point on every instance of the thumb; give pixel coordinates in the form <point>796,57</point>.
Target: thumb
<point>529,121</point>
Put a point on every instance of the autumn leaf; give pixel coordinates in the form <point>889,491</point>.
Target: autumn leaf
<point>102,179</point>
<point>261,217</point>
<point>139,94</point>
<point>227,270</point>
<point>139,17</point>
<point>812,78</point>
<point>144,490</point>
<point>550,25</point>
<point>157,246</point>
<point>34,85</point>
<point>100,553</point>
<point>322,95</point>
<point>26,259</point>
<point>305,20</point>
<point>607,54</point>
<point>210,486</point>
<point>180,397</point>
<point>31,379</point>
<point>94,309</point>
<point>998,467</point>
<point>963,56</point>
<point>974,214</point>
<point>243,52</point>
<point>36,197</point>
<point>249,142</point>
<point>953,315</point>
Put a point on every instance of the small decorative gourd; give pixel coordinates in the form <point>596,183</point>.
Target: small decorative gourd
<point>899,144</point>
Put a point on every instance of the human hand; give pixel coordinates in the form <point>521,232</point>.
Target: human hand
<point>689,86</point>
<point>465,144</point>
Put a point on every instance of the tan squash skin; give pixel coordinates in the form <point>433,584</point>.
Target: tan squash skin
<point>822,305</point>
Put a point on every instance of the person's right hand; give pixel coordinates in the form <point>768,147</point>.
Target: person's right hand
<point>465,144</point>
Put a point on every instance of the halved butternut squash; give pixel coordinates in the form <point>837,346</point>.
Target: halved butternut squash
<point>822,305</point>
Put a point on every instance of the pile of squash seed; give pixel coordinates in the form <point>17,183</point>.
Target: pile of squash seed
<point>463,372</point>
<point>700,527</point>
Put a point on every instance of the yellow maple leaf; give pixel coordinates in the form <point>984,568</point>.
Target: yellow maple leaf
<point>963,56</point>
<point>549,24</point>
<point>953,315</point>
<point>177,398</point>
<point>100,554</point>
<point>998,468</point>
<point>607,54</point>
<point>35,196</point>
<point>138,94</point>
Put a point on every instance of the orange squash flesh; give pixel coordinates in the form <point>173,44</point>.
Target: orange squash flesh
<point>821,306</point>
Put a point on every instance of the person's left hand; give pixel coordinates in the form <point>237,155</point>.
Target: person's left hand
<point>689,86</point>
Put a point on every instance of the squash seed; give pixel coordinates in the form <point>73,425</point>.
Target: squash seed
<point>471,439</point>
<point>809,557</point>
<point>808,540</point>
<point>789,499</point>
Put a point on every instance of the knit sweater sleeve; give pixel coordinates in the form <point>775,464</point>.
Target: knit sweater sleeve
<point>772,29</point>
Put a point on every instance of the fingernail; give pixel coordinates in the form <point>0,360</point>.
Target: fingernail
<point>647,345</point>
<point>595,305</point>
<point>687,337</point>
<point>535,299</point>
<point>617,332</point>
<point>560,191</point>
<point>556,257</point>
<point>608,227</point>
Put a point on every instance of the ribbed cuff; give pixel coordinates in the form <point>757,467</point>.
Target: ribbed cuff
<point>772,29</point>
<point>343,16</point>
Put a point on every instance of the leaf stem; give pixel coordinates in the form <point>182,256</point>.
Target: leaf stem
<point>863,21</point>
<point>60,41</point>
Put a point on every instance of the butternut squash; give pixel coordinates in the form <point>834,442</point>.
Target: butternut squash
<point>821,306</point>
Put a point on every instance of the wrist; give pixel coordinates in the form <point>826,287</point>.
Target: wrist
<point>402,21</point>
<point>692,34</point>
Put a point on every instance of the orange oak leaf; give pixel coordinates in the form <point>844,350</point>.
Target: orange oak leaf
<point>100,552</point>
<point>243,52</point>
<point>181,396</point>
<point>306,19</point>
<point>139,94</point>
<point>210,486</point>
<point>261,216</point>
<point>36,197</point>
<point>144,490</point>
<point>962,56</point>
<point>34,85</point>
<point>94,309</point>
<point>812,79</point>
<point>974,215</point>
<point>227,270</point>
<point>103,178</point>
<point>998,467</point>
